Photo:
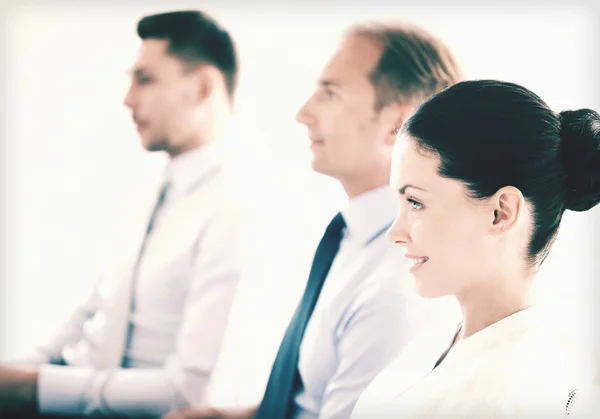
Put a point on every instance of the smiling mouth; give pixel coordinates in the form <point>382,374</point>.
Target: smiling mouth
<point>416,262</point>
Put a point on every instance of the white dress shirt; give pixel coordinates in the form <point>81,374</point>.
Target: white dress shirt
<point>367,312</point>
<point>517,368</point>
<point>181,298</point>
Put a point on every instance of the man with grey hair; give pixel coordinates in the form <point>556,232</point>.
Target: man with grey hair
<point>359,308</point>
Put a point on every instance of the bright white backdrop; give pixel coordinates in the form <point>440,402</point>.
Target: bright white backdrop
<point>72,161</point>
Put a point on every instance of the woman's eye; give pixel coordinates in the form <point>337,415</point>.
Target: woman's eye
<point>414,204</point>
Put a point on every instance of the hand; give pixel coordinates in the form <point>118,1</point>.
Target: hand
<point>18,390</point>
<point>203,413</point>
<point>212,413</point>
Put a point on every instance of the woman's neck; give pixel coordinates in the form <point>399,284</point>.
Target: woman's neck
<point>488,305</point>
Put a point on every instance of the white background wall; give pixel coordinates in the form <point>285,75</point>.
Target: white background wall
<point>72,161</point>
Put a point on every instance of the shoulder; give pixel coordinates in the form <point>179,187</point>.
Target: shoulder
<point>533,373</point>
<point>414,362</point>
<point>221,191</point>
<point>217,200</point>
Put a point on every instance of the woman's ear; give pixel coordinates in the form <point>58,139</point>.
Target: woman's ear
<point>507,206</point>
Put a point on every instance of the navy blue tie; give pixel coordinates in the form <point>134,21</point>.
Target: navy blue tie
<point>284,380</point>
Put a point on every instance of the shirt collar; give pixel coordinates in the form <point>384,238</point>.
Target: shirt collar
<point>187,170</point>
<point>526,321</point>
<point>370,213</point>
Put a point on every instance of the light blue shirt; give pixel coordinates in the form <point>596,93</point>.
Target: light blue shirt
<point>367,312</point>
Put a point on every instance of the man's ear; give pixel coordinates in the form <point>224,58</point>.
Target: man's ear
<point>399,114</point>
<point>206,84</point>
<point>506,206</point>
<point>203,79</point>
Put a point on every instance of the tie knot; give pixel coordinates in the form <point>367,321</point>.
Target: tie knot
<point>337,224</point>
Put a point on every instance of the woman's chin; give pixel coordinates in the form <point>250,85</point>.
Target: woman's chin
<point>428,289</point>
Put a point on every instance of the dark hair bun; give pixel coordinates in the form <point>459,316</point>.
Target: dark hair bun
<point>580,135</point>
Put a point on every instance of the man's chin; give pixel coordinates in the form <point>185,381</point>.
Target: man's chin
<point>153,146</point>
<point>320,167</point>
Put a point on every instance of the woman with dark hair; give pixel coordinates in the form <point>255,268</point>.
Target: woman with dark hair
<point>484,171</point>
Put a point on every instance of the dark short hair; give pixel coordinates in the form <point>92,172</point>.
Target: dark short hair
<point>490,134</point>
<point>414,64</point>
<point>195,38</point>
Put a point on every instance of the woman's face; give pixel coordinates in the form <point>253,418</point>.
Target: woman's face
<point>447,235</point>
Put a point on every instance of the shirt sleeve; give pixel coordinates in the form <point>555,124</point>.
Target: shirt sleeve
<point>383,319</point>
<point>185,376</point>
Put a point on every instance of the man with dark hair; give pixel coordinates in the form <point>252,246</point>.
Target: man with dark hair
<point>359,308</point>
<point>195,38</point>
<point>184,80</point>
<point>146,340</point>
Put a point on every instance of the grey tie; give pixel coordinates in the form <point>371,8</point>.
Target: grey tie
<point>161,199</point>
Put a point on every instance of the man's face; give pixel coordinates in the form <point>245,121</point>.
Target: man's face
<point>349,137</point>
<point>163,98</point>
